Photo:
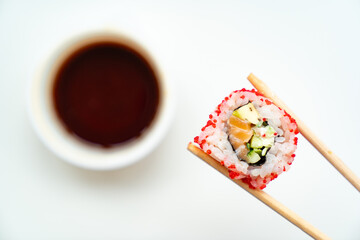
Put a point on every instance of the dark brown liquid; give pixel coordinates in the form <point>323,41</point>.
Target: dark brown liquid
<point>106,93</point>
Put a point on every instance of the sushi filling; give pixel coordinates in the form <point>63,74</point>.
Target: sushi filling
<point>250,136</point>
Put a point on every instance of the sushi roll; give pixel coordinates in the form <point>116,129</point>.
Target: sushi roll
<point>249,135</point>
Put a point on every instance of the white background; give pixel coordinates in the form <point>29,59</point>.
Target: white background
<point>307,51</point>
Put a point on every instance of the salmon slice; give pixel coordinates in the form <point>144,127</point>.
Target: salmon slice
<point>238,122</point>
<point>240,133</point>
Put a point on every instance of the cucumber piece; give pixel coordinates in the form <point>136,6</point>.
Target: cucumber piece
<point>248,146</point>
<point>268,142</point>
<point>253,157</point>
<point>256,142</point>
<point>257,150</point>
<point>269,131</point>
<point>259,123</point>
<point>259,142</point>
<point>264,151</point>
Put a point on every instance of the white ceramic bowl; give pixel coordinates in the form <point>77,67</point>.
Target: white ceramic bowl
<point>52,133</point>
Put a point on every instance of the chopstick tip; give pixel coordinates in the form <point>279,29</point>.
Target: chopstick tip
<point>251,75</point>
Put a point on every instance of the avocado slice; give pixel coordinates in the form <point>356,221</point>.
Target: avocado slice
<point>248,112</point>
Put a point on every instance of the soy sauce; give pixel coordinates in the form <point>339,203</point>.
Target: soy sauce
<point>106,94</point>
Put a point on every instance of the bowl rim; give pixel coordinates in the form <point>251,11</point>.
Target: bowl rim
<point>75,151</point>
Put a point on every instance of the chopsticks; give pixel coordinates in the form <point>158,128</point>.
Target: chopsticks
<point>307,133</point>
<point>262,196</point>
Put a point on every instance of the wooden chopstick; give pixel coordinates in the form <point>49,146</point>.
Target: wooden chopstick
<point>307,133</point>
<point>262,196</point>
